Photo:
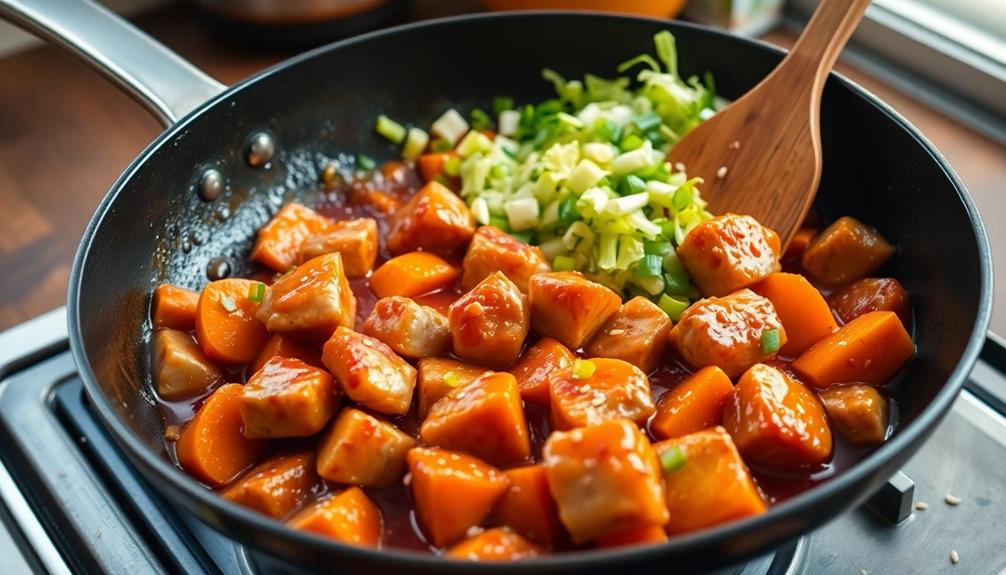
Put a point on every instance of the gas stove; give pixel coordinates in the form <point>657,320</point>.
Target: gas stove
<point>70,503</point>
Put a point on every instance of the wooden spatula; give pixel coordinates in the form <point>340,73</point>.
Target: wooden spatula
<point>762,154</point>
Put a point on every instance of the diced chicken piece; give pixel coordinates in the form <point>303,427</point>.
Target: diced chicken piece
<point>598,390</point>
<point>355,240</point>
<point>636,333</point>
<point>527,507</point>
<point>287,398</point>
<point>858,411</point>
<point>348,517</point>
<point>412,330</point>
<point>605,479</point>
<point>213,447</point>
<point>489,323</point>
<point>693,405</point>
<point>310,301</point>
<point>846,251</point>
<point>569,307</point>
<point>360,449</point>
<point>777,422</point>
<point>868,349</point>
<point>871,294</point>
<point>706,482</point>
<point>484,418</point>
<point>369,372</point>
<point>727,332</point>
<point>438,376</point>
<point>649,535</point>
<point>276,486</point>
<point>728,253</point>
<point>540,361</point>
<point>499,544</point>
<point>179,368</point>
<point>435,220</point>
<point>279,241</point>
<point>285,346</point>
<point>452,492</point>
<point>493,250</point>
<point>174,308</point>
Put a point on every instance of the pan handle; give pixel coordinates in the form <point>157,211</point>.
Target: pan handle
<point>160,80</point>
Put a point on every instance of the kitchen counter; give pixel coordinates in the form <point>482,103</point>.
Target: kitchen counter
<point>66,134</point>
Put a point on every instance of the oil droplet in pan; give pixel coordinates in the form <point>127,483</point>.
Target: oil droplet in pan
<point>218,268</point>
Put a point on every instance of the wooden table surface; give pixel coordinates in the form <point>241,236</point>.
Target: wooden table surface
<point>66,134</point>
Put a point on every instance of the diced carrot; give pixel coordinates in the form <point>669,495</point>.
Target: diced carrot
<point>349,517</point>
<point>213,446</point>
<point>706,482</point>
<point>360,449</point>
<point>799,242</point>
<point>539,362</point>
<point>495,545</point>
<point>279,241</point>
<point>695,404</point>
<point>527,507</point>
<point>175,307</point>
<point>801,308</point>
<point>288,398</point>
<point>284,346</point>
<point>432,165</point>
<point>869,349</point>
<point>412,274</point>
<point>438,376</point>
<point>226,326</point>
<point>276,486</point>
<point>637,536</point>
<point>178,366</point>
<point>484,418</point>
<point>452,492</point>
<point>845,251</point>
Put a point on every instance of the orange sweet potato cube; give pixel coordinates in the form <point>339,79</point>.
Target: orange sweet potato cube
<point>174,307</point>
<point>846,251</point>
<point>412,274</point>
<point>310,301</point>
<point>859,412</point>
<point>493,250</point>
<point>484,418</point>
<point>636,333</point>
<point>497,544</point>
<point>276,486</point>
<point>540,361</point>
<point>801,308</point>
<point>287,398</point>
<point>348,517</point>
<point>776,421</point>
<point>527,507</point>
<point>569,307</point>
<point>434,220</point>
<point>369,372</point>
<point>605,479</point>
<point>649,535</point>
<point>360,449</point>
<point>693,405</point>
<point>285,346</point>
<point>868,349</point>
<point>412,330</point>
<point>598,390</point>
<point>279,241</point>
<point>728,253</point>
<point>489,323</point>
<point>706,482</point>
<point>452,492</point>
<point>355,240</point>
<point>438,376</point>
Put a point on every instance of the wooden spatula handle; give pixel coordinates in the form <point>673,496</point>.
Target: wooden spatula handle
<point>824,37</point>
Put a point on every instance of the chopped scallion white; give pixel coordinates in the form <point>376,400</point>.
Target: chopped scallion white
<point>522,213</point>
<point>450,126</point>
<point>415,143</point>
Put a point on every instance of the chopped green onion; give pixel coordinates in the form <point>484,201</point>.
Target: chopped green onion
<point>646,121</point>
<point>682,197</point>
<point>563,263</point>
<point>658,248</point>
<point>228,303</point>
<point>501,104</point>
<point>501,223</point>
<point>452,166</point>
<point>583,368</point>
<point>568,213</point>
<point>365,162</point>
<point>608,130</point>
<point>673,459</point>
<point>634,185</point>
<point>650,266</point>
<point>415,143</point>
<point>452,379</point>
<point>770,341</point>
<point>525,236</point>
<point>390,129</point>
<point>479,119</point>
<point>256,291</point>
<point>508,122</point>
<point>441,145</point>
<point>673,306</point>
<point>630,142</point>
<point>677,284</point>
<point>443,181</point>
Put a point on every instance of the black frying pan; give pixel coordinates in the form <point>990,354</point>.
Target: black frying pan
<point>876,167</point>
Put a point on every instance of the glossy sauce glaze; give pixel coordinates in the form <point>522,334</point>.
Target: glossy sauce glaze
<point>377,198</point>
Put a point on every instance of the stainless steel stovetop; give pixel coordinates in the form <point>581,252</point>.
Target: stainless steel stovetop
<point>69,503</point>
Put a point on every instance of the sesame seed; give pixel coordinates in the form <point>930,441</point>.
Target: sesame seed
<point>616,332</point>
<point>955,557</point>
<point>722,172</point>
<point>407,480</point>
<point>474,530</point>
<point>922,506</point>
<point>952,499</point>
<point>735,145</point>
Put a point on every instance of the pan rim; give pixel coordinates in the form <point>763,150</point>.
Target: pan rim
<point>141,455</point>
